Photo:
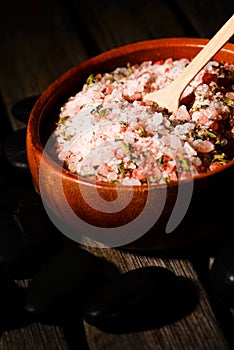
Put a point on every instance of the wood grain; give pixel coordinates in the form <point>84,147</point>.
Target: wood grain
<point>35,336</point>
<point>111,23</point>
<point>41,41</point>
<point>206,16</point>
<point>199,330</point>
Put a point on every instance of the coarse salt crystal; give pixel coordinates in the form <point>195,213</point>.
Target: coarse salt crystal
<point>157,118</point>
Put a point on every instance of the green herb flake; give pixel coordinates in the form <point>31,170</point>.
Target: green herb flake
<point>221,158</point>
<point>214,89</point>
<point>125,147</point>
<point>161,161</point>
<point>92,79</point>
<point>196,107</point>
<point>228,101</point>
<point>204,106</point>
<point>122,169</point>
<point>134,160</point>
<point>89,175</point>
<point>123,124</point>
<point>68,137</point>
<point>224,72</point>
<point>142,132</point>
<point>114,182</point>
<point>96,110</point>
<point>211,134</point>
<point>62,120</point>
<point>102,112</point>
<point>182,162</point>
<point>99,111</point>
<point>155,106</point>
<point>154,179</point>
<point>129,67</point>
<point>111,79</point>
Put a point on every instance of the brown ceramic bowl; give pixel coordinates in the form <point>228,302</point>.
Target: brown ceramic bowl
<point>140,214</point>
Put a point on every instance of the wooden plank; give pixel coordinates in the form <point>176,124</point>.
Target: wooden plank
<point>113,23</point>
<point>42,41</point>
<point>39,43</point>
<point>199,330</point>
<point>35,336</point>
<point>206,16</point>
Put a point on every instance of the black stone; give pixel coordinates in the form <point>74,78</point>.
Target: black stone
<point>27,235</point>
<point>222,275</point>
<point>12,310</point>
<point>141,299</point>
<point>21,110</point>
<point>14,150</point>
<point>64,283</point>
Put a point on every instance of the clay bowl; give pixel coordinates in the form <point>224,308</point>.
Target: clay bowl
<point>145,218</point>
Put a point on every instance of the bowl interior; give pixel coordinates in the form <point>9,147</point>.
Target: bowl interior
<point>45,113</point>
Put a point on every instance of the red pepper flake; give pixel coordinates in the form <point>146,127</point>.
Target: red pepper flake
<point>215,166</point>
<point>138,174</point>
<point>214,126</point>
<point>160,62</point>
<point>209,77</point>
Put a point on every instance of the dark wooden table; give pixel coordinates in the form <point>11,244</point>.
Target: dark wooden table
<point>40,41</point>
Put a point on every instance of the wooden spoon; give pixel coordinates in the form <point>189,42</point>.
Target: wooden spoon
<point>169,97</point>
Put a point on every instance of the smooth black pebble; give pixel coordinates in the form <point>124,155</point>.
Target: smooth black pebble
<point>12,310</point>
<point>141,299</point>
<point>21,110</point>
<point>64,283</point>
<point>14,151</point>
<point>222,275</point>
<point>27,236</point>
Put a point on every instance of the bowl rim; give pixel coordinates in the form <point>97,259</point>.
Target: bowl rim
<point>33,134</point>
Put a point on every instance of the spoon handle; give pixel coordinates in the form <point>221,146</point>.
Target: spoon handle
<point>211,48</point>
